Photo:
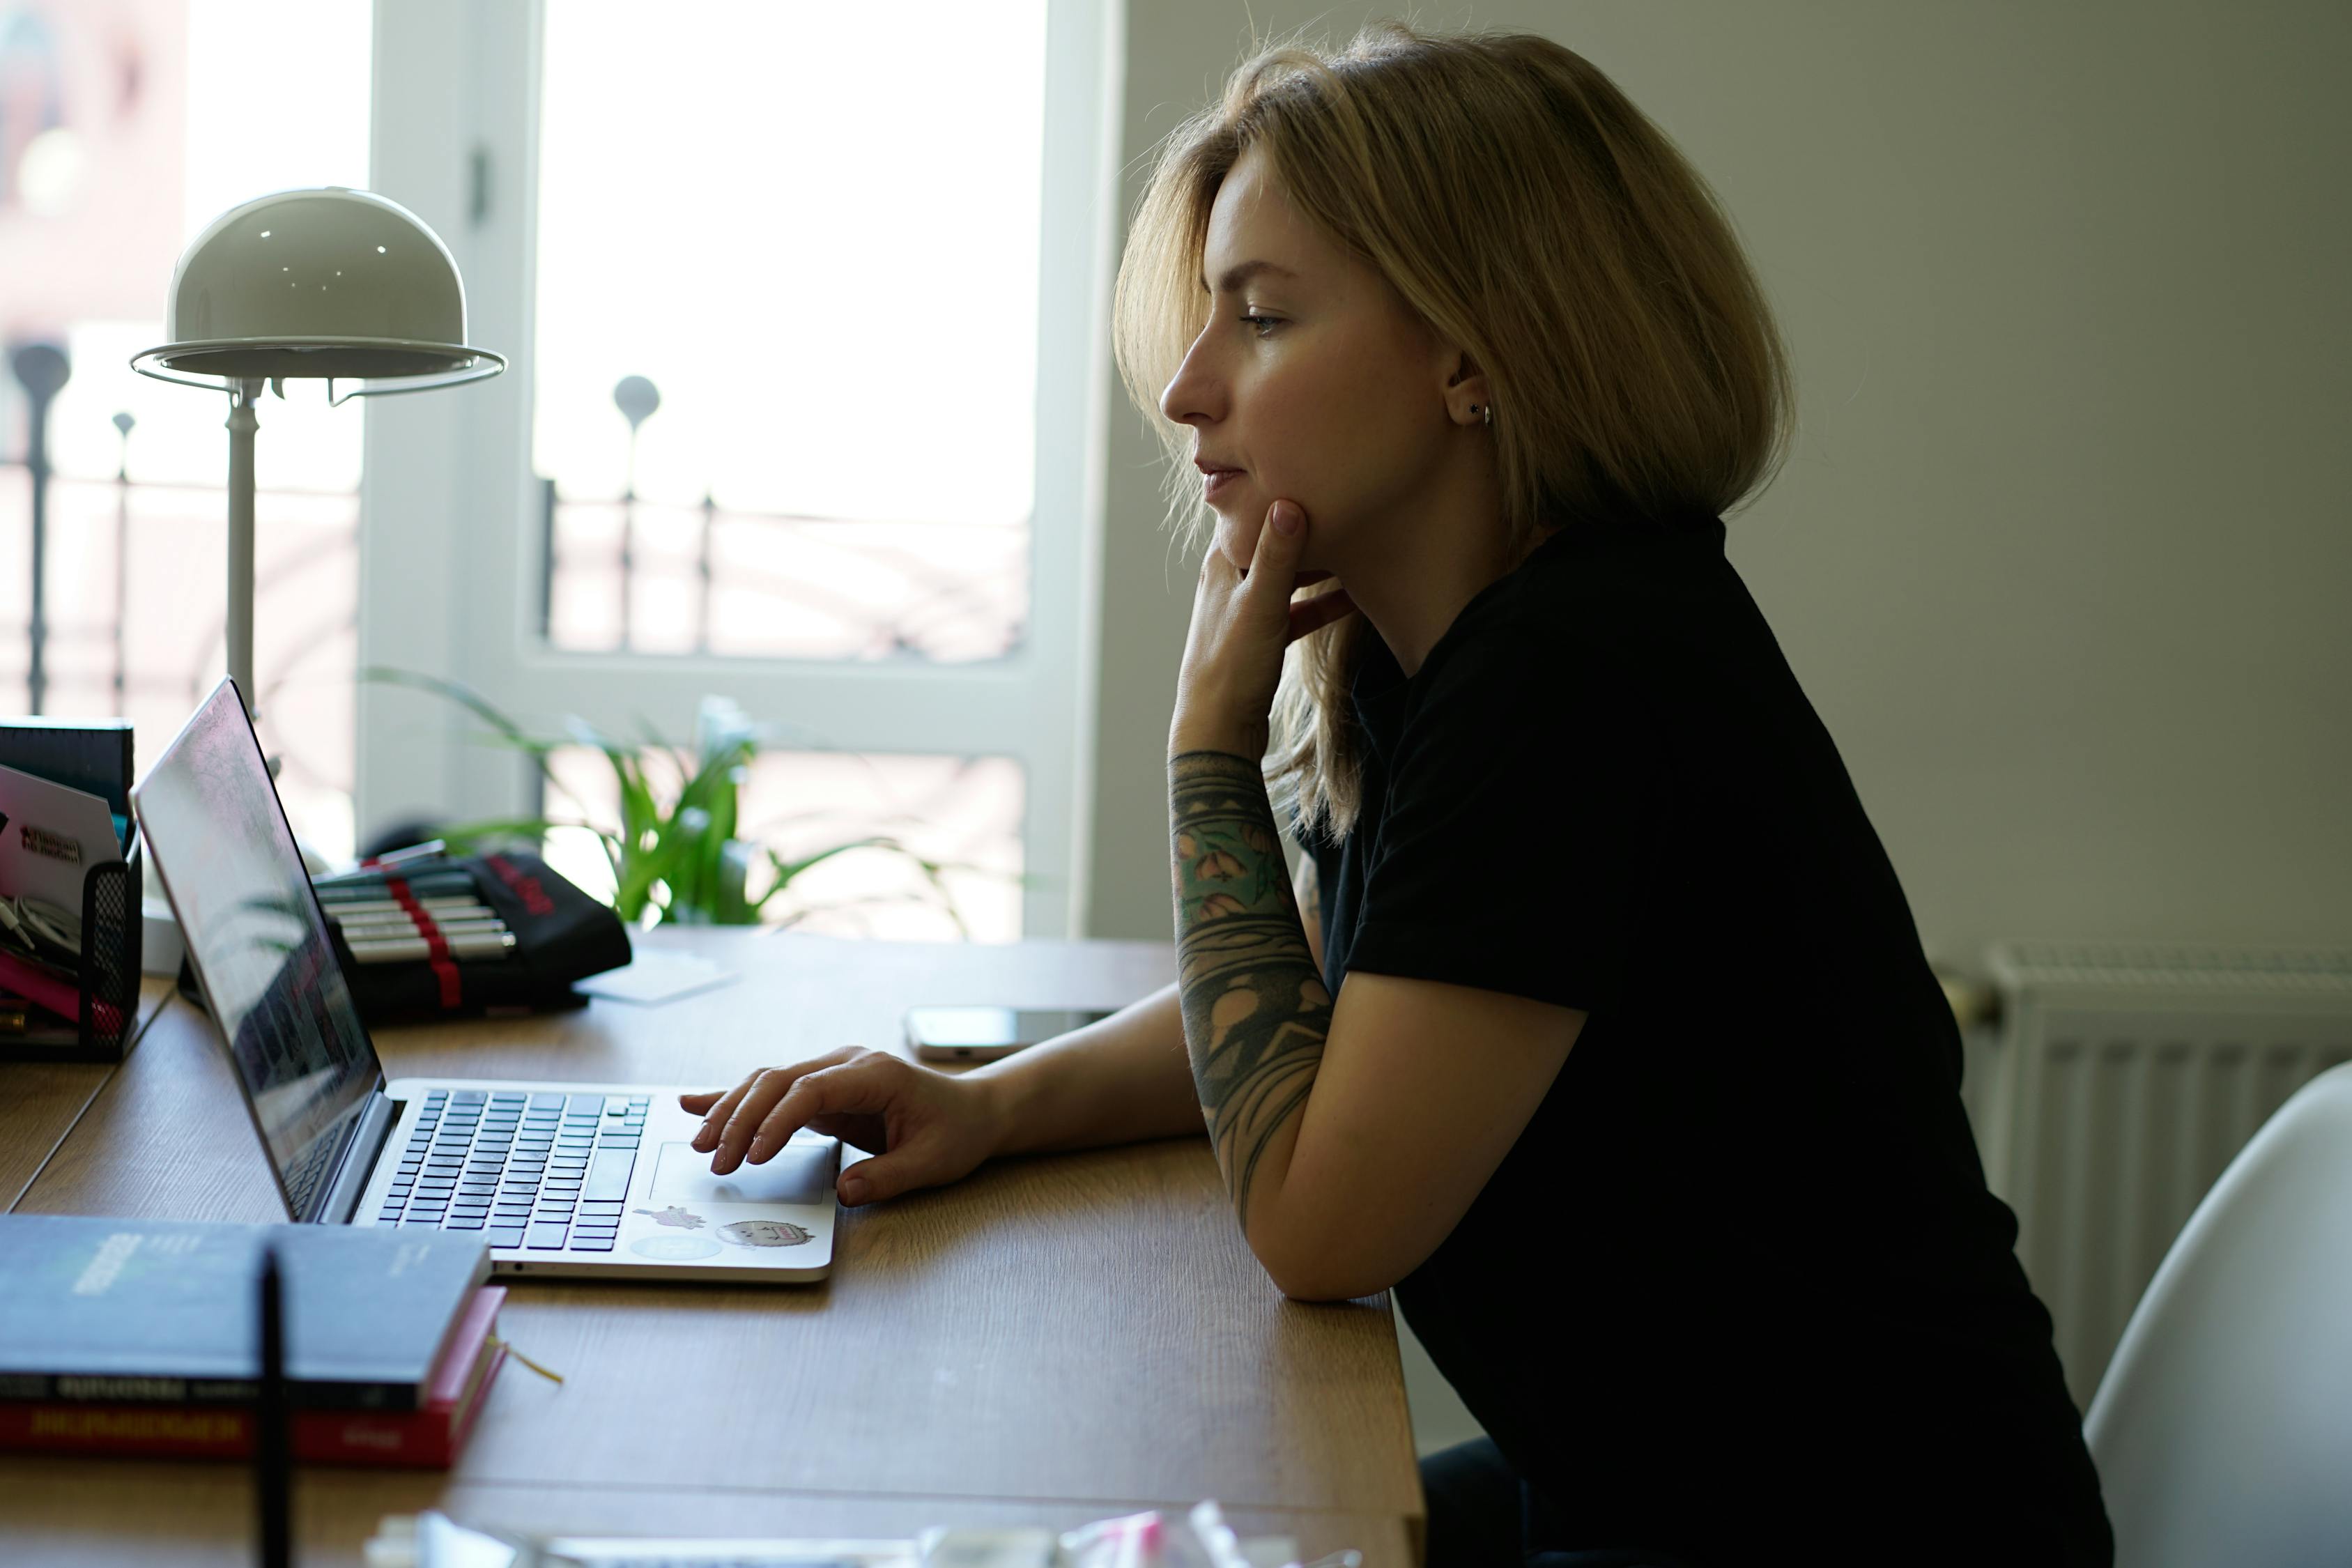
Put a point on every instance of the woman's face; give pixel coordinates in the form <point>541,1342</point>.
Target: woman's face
<point>1311,378</point>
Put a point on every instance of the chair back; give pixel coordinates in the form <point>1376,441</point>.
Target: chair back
<point>2222,1429</point>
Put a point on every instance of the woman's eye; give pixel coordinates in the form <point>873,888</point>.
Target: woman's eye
<point>1263,322</point>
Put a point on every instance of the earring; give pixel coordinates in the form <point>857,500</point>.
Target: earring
<point>1488,411</point>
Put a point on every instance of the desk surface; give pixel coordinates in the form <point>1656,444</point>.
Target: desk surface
<point>1056,1338</point>
<point>40,1102</point>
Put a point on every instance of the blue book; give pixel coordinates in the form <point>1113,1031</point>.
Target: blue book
<point>167,1312</point>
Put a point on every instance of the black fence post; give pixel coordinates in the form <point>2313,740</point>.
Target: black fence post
<point>702,621</point>
<point>546,559</point>
<point>123,423</point>
<point>636,399</point>
<point>42,370</point>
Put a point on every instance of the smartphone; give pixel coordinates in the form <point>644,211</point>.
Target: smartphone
<point>984,1033</point>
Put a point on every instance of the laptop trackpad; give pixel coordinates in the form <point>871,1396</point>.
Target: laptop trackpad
<point>800,1173</point>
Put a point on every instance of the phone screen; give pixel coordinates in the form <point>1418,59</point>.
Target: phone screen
<point>993,1027</point>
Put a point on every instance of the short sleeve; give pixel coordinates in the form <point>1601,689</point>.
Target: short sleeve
<point>1523,809</point>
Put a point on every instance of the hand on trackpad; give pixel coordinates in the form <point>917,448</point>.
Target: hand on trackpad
<point>800,1173</point>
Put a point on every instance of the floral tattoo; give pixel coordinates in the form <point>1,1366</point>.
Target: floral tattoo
<point>1256,1010</point>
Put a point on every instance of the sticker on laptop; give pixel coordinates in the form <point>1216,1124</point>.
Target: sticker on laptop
<point>762,1233</point>
<point>674,1216</point>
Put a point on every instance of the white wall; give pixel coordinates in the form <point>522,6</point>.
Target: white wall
<point>2061,555</point>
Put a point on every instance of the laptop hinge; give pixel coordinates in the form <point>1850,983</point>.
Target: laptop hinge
<point>359,1160</point>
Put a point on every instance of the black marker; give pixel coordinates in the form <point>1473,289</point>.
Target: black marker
<point>273,1479</point>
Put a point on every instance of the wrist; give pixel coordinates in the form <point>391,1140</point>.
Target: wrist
<point>1190,733</point>
<point>999,1097</point>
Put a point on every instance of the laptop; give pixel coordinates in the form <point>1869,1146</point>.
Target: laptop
<point>581,1179</point>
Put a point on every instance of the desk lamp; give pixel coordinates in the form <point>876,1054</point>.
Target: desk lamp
<point>332,282</point>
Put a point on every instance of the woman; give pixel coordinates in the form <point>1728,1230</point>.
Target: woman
<point>1597,1027</point>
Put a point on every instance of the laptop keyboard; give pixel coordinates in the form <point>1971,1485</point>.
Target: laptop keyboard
<point>549,1172</point>
<point>310,1173</point>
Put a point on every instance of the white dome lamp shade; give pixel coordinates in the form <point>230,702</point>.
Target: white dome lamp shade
<point>337,284</point>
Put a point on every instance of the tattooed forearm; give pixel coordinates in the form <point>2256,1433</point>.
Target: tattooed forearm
<point>1256,1010</point>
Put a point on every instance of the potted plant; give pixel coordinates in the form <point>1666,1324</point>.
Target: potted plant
<point>676,854</point>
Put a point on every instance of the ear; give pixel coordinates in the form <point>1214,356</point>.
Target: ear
<point>1465,393</point>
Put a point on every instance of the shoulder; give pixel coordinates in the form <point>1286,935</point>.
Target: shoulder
<point>1551,652</point>
<point>1617,614</point>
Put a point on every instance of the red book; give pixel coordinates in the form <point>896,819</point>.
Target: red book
<point>428,1436</point>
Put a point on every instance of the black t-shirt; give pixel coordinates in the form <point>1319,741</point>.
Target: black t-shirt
<point>1739,1290</point>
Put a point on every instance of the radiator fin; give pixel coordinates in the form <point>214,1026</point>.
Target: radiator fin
<point>2126,1079</point>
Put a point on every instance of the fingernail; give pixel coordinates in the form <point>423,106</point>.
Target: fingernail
<point>759,1150</point>
<point>1286,518</point>
<point>852,1189</point>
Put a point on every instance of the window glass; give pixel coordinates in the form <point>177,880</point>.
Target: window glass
<point>815,245</point>
<point>125,128</point>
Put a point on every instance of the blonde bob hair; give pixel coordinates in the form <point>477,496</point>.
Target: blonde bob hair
<point>1524,209</point>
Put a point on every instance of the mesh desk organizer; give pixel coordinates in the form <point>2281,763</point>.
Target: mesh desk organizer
<point>105,983</point>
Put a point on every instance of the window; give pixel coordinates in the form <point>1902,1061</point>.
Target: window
<point>848,489</point>
<point>123,132</point>
<point>822,295</point>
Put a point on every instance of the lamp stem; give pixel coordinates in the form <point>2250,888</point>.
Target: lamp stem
<point>242,424</point>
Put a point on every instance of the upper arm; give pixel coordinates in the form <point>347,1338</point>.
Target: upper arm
<point>1423,1090</point>
<point>1307,887</point>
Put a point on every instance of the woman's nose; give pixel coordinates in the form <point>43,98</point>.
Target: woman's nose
<point>1192,394</point>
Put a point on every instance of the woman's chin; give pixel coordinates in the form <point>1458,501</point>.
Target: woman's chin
<point>1228,540</point>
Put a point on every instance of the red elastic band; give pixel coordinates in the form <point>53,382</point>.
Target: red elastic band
<point>437,947</point>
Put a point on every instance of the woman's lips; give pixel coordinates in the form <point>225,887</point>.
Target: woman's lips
<point>1216,483</point>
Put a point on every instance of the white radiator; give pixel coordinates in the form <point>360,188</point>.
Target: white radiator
<point>2119,1082</point>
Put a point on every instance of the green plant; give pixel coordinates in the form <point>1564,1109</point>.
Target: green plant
<point>676,859</point>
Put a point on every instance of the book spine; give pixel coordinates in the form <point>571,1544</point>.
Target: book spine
<point>417,1439</point>
<point>110,1388</point>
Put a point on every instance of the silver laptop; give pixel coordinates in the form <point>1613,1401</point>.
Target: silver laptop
<point>556,1178</point>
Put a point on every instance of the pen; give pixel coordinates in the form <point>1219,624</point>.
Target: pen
<point>338,908</point>
<point>452,937</point>
<point>396,862</point>
<point>408,950</point>
<point>387,929</point>
<point>272,1467</point>
<point>450,915</point>
<point>374,887</point>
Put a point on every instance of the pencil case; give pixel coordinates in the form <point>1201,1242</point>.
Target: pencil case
<point>88,1009</point>
<point>423,947</point>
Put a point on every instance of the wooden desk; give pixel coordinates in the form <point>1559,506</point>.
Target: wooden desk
<point>1056,1338</point>
<point>40,1102</point>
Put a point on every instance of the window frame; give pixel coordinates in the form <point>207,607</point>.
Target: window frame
<point>450,538</point>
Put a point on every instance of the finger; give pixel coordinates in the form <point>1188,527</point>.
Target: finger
<point>706,1138</point>
<point>698,1103</point>
<point>759,1098</point>
<point>1314,614</point>
<point>880,1176</point>
<point>735,1133</point>
<point>919,1163</point>
<point>858,1088</point>
<point>1274,568</point>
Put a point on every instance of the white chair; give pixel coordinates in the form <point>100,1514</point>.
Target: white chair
<point>2223,1427</point>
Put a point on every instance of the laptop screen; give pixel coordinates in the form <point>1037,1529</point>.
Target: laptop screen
<point>259,941</point>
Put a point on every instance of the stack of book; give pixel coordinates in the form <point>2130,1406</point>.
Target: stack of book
<point>142,1338</point>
